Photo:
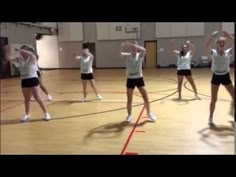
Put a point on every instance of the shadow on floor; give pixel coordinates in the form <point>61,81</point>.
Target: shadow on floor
<point>111,130</point>
<point>220,131</point>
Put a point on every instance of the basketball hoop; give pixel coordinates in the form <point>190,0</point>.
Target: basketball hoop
<point>131,29</point>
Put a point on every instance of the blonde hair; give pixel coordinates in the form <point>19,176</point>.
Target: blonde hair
<point>220,39</point>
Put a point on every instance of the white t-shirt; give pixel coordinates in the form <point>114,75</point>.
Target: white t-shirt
<point>86,64</point>
<point>221,63</point>
<point>38,68</point>
<point>184,62</point>
<point>133,65</point>
<point>27,68</point>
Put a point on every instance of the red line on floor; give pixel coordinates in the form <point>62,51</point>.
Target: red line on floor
<point>141,131</point>
<point>131,133</point>
<point>131,153</point>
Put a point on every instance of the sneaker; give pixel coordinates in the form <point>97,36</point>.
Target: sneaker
<point>83,99</point>
<point>49,97</point>
<point>197,97</point>
<point>210,121</point>
<point>128,119</point>
<point>152,117</point>
<point>99,97</point>
<point>47,116</point>
<point>25,118</point>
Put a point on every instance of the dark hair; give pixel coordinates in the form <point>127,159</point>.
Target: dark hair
<point>31,50</point>
<point>181,53</point>
<point>25,47</point>
<point>38,36</point>
<point>85,46</point>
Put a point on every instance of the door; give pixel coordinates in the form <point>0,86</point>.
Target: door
<point>151,54</point>
<point>4,65</point>
<point>47,49</point>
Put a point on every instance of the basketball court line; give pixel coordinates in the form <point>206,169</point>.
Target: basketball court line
<point>131,133</point>
<point>14,121</point>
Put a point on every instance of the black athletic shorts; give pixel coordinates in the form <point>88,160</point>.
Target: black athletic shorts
<point>30,82</point>
<point>137,82</point>
<point>221,79</point>
<point>184,72</point>
<point>85,76</point>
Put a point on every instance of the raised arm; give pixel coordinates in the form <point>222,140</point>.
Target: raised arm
<point>77,57</point>
<point>191,47</point>
<point>88,53</point>
<point>209,41</point>
<point>227,35</point>
<point>31,54</point>
<point>141,49</point>
<point>122,46</point>
<point>173,46</point>
<point>7,54</point>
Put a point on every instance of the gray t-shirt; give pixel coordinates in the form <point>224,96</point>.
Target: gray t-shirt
<point>133,65</point>
<point>221,63</point>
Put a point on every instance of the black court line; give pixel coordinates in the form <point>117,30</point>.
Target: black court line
<point>11,107</point>
<point>60,92</point>
<point>106,92</point>
<point>219,99</point>
<point>7,122</point>
<point>146,80</point>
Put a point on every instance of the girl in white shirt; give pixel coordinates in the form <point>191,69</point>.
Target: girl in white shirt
<point>39,73</point>
<point>29,79</point>
<point>134,61</point>
<point>86,68</point>
<point>184,65</point>
<point>220,66</point>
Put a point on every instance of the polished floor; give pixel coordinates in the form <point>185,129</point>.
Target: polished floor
<point>98,127</point>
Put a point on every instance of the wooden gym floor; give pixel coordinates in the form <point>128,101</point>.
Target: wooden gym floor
<point>97,127</point>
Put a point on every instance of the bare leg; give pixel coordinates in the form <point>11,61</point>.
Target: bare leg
<point>143,92</point>
<point>129,100</point>
<point>230,89</point>
<point>84,83</point>
<point>180,82</point>
<point>42,86</point>
<point>191,81</point>
<point>214,93</point>
<point>92,84</point>
<point>37,96</point>
<point>27,94</point>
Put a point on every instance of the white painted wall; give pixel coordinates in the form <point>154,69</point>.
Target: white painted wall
<point>177,29</point>
<point>108,30</point>
<point>47,49</point>
<point>69,32</point>
<point>228,26</point>
<point>50,24</point>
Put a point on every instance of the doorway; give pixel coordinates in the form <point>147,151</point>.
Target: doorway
<point>151,54</point>
<point>5,70</point>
